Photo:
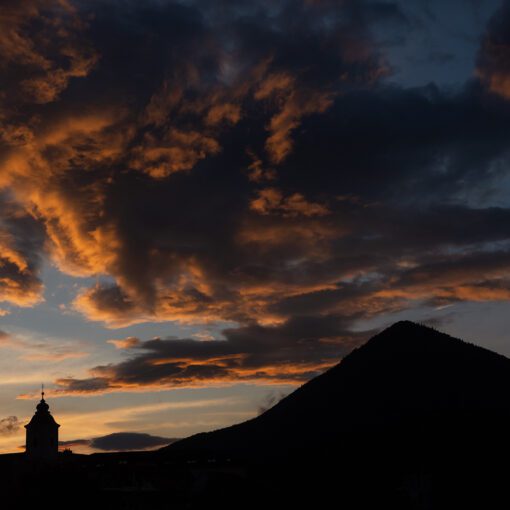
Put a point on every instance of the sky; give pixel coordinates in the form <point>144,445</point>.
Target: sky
<point>204,204</point>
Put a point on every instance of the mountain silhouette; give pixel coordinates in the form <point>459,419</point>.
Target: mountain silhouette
<point>413,419</point>
<point>408,377</point>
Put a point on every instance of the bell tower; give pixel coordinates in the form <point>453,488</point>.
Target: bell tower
<point>42,433</point>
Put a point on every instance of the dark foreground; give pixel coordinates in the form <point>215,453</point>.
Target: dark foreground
<point>412,420</point>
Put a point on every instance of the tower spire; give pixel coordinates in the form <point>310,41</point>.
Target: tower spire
<point>42,432</point>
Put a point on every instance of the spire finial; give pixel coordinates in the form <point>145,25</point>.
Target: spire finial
<point>42,391</point>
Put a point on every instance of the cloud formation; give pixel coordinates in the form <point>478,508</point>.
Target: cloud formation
<point>285,354</point>
<point>493,60</point>
<point>40,350</point>
<point>120,441</point>
<point>249,162</point>
<point>9,425</point>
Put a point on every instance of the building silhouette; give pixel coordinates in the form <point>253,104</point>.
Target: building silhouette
<point>42,433</point>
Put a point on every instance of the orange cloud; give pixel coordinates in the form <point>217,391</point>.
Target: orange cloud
<point>461,292</point>
<point>273,83</point>
<point>181,149</point>
<point>296,103</point>
<point>257,171</point>
<point>226,112</point>
<point>271,200</point>
<point>305,237</point>
<point>76,242</point>
<point>31,46</point>
<point>47,88</point>
<point>178,151</point>
<point>124,343</point>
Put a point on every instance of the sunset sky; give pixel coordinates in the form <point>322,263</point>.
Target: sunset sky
<point>205,203</point>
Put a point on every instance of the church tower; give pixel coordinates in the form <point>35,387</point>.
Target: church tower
<point>42,433</point>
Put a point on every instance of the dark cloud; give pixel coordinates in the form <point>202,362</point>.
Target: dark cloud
<point>120,441</point>
<point>129,441</point>
<point>21,246</point>
<point>173,88</point>
<point>92,385</point>
<point>493,58</point>
<point>425,146</point>
<point>292,352</point>
<point>245,162</point>
<point>9,425</point>
<point>42,50</point>
<point>73,442</point>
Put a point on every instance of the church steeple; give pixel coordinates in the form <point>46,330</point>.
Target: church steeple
<point>42,433</point>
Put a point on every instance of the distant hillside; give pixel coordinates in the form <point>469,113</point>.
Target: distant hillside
<point>408,381</point>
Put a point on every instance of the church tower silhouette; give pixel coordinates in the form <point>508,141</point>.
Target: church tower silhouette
<point>42,433</point>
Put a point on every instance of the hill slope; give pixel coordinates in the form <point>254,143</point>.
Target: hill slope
<point>408,381</point>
